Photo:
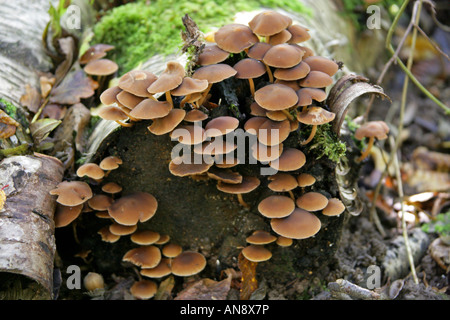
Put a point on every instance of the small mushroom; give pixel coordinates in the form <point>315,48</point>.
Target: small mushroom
<point>145,237</point>
<point>188,87</point>
<point>65,215</point>
<point>111,188</point>
<point>72,193</point>
<point>283,56</point>
<point>316,79</point>
<point>95,52</point>
<point>256,253</point>
<point>161,270</point>
<point>100,202</point>
<point>107,236</point>
<point>283,182</point>
<point>283,241</point>
<point>334,207</point>
<point>276,206</point>
<point>93,281</point>
<point>298,34</point>
<point>101,67</point>
<point>318,63</point>
<point>276,97</point>
<point>132,208</point>
<point>312,201</point>
<point>151,109</point>
<point>371,130</point>
<point>258,51</point>
<point>261,237</point>
<point>143,289</point>
<point>305,180</point>
<point>144,257</point>
<point>249,69</point>
<point>268,23</point>
<point>300,224</point>
<point>296,72</point>
<point>114,113</point>
<point>168,123</point>
<point>212,54</point>
<point>247,185</point>
<point>291,159</point>
<point>307,95</point>
<point>120,230</point>
<point>136,82</point>
<point>235,37</point>
<point>314,116</point>
<point>188,263</point>
<point>110,163</point>
<point>171,250</point>
<point>171,78</point>
<point>91,170</point>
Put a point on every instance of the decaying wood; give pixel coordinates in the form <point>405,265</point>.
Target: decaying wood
<point>27,243</point>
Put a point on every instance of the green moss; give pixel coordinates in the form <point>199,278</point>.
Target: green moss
<point>139,30</point>
<point>325,143</point>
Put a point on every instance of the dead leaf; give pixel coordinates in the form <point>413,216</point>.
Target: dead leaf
<point>249,281</point>
<point>46,84</point>
<point>73,88</point>
<point>206,289</point>
<point>7,125</point>
<point>31,98</point>
<point>165,289</point>
<point>67,47</point>
<point>2,197</point>
<point>347,89</point>
<point>41,128</point>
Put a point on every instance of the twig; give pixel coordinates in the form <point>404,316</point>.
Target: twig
<point>404,228</point>
<point>344,288</point>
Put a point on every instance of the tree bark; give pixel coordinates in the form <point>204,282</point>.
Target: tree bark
<point>27,242</point>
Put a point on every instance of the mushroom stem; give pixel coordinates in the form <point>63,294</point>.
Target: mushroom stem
<point>204,94</point>
<point>183,101</point>
<point>291,194</point>
<point>311,136</point>
<point>269,72</point>
<point>252,86</point>
<point>169,98</point>
<point>288,114</point>
<point>242,202</point>
<point>124,124</point>
<point>366,153</point>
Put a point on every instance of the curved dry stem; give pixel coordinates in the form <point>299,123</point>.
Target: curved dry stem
<point>311,136</point>
<point>366,153</point>
<point>242,202</point>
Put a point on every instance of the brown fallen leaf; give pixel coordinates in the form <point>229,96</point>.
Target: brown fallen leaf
<point>206,289</point>
<point>249,281</point>
<point>75,86</point>
<point>7,125</point>
<point>31,99</point>
<point>46,84</point>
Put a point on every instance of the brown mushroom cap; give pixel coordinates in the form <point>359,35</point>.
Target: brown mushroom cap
<point>284,242</point>
<point>305,180</point>
<point>214,73</point>
<point>318,63</point>
<point>377,129</point>
<point>145,237</point>
<point>260,237</point>
<point>65,215</point>
<point>224,175</point>
<point>275,97</point>
<point>221,125</point>
<point>276,115</point>
<point>249,68</point>
<point>312,201</point>
<point>195,115</point>
<point>276,206</point>
<point>100,202</point>
<point>252,125</point>
<point>189,134</point>
<point>93,281</point>
<point>300,224</point>
<point>91,170</point>
<point>108,96</point>
<point>136,82</point>
<point>112,113</point>
<point>235,37</point>
<point>144,257</point>
<point>271,133</point>
<point>151,109</point>
<point>265,153</point>
<point>298,34</point>
<point>212,54</point>
<point>111,187</point>
<point>161,270</point>
<point>281,37</point>
<point>258,50</point>
<point>132,208</point>
<point>95,52</point>
<point>290,160</point>
<point>121,230</point>
<point>163,239</point>
<point>186,165</point>
<point>107,236</point>
<point>268,23</point>
<point>315,116</point>
<point>143,289</point>
<point>307,95</point>
<point>283,55</point>
<point>188,263</point>
<point>171,250</point>
<point>128,100</point>
<point>316,79</point>
<point>168,123</point>
<point>296,72</point>
<point>72,193</point>
<point>256,253</point>
<point>247,185</point>
<point>170,79</point>
<point>110,163</point>
<point>101,67</point>
<point>282,182</point>
<point>189,86</point>
<point>334,207</point>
